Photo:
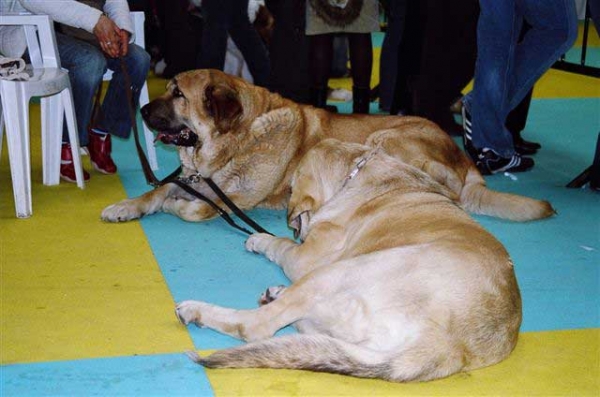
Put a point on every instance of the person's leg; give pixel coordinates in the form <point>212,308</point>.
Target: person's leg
<point>115,108</point>
<point>216,15</point>
<point>409,56</point>
<point>361,58</point>
<point>594,7</point>
<point>449,34</point>
<point>339,62</point>
<point>497,32</point>
<point>250,44</point>
<point>515,123</point>
<point>553,31</point>
<point>361,66</point>
<point>388,66</point>
<point>86,65</point>
<point>320,56</point>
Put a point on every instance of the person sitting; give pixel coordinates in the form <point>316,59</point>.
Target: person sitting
<point>92,36</point>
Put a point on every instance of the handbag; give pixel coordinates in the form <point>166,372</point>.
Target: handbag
<point>335,13</point>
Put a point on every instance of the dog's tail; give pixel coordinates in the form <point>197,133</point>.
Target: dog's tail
<point>477,198</point>
<point>322,353</point>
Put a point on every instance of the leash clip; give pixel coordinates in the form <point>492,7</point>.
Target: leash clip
<point>188,180</point>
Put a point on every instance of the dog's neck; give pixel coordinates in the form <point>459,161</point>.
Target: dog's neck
<point>359,166</point>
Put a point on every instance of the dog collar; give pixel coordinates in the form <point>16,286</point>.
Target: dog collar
<point>359,165</point>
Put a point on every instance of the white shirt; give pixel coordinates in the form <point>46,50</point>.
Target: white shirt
<point>68,12</point>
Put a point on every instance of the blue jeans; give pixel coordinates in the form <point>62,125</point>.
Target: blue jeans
<point>87,64</point>
<point>505,71</point>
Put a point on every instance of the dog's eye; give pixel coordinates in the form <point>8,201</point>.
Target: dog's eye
<point>177,93</point>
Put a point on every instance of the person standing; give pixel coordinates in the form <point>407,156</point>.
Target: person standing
<point>357,19</point>
<point>506,70</point>
<point>224,18</point>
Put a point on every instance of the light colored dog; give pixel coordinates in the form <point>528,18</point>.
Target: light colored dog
<point>393,279</point>
<point>249,141</point>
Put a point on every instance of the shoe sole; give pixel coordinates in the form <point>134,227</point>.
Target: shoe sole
<point>509,168</point>
<point>67,179</point>
<point>102,171</point>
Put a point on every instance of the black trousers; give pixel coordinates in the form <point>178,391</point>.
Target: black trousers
<point>288,50</point>
<point>182,37</point>
<point>437,56</point>
<point>230,17</point>
<point>389,59</point>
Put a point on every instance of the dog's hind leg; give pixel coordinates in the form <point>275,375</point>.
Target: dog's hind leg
<point>249,325</point>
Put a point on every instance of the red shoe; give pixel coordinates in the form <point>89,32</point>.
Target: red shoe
<point>67,169</point>
<point>100,148</point>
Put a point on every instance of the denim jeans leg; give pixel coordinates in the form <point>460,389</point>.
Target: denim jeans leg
<point>497,32</point>
<point>86,65</point>
<point>115,109</point>
<point>554,32</point>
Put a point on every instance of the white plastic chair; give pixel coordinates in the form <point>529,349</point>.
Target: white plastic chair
<point>51,83</point>
<point>138,18</point>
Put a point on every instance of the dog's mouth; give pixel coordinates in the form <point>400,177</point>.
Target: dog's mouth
<point>178,137</point>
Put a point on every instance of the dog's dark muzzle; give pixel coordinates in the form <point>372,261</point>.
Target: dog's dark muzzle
<point>158,116</point>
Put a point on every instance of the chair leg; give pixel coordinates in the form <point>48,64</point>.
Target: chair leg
<point>16,112</point>
<point>1,128</point>
<point>148,135</point>
<point>69,112</point>
<point>52,126</point>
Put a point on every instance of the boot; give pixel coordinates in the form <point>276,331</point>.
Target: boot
<point>318,98</point>
<point>361,100</point>
<point>67,169</point>
<point>100,148</point>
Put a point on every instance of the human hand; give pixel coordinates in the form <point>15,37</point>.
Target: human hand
<point>123,42</point>
<point>108,35</point>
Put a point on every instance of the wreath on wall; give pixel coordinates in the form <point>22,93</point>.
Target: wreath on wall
<point>336,12</point>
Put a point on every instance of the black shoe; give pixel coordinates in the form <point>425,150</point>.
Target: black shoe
<point>490,162</point>
<point>524,147</point>
<point>467,135</point>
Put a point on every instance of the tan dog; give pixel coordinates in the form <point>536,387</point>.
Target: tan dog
<point>249,141</point>
<point>392,281</point>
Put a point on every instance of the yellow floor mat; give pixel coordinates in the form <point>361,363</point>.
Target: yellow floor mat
<point>543,364</point>
<point>72,286</point>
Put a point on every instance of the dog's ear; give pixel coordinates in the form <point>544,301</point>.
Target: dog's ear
<point>223,105</point>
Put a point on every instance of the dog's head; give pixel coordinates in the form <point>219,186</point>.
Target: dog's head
<point>203,110</point>
<point>320,175</point>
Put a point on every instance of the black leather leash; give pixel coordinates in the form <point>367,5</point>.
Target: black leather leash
<point>181,182</point>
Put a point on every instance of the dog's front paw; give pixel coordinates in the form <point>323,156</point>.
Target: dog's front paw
<point>258,242</point>
<point>189,312</point>
<point>123,211</point>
